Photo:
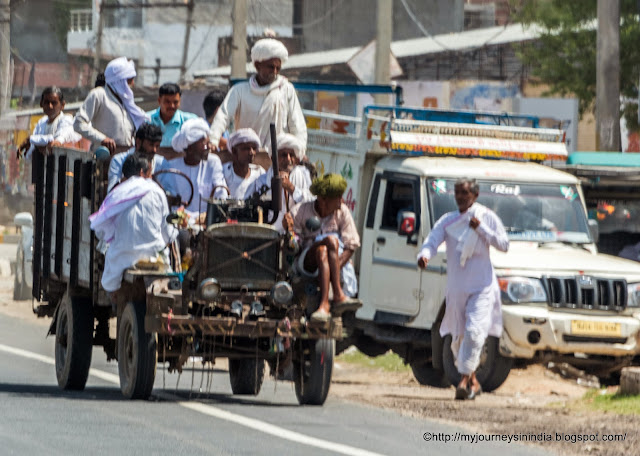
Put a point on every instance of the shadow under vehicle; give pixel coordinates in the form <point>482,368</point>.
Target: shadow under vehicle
<point>239,298</point>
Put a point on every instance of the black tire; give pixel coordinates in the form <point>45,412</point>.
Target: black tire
<point>21,289</point>
<point>427,375</point>
<point>74,342</point>
<point>312,371</point>
<point>492,371</point>
<point>246,375</point>
<point>137,353</point>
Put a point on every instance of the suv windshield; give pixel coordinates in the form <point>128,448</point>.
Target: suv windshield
<point>531,212</point>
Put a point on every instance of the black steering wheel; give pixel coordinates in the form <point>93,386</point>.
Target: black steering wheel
<point>171,199</point>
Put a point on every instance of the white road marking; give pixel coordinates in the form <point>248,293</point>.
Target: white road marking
<point>215,412</point>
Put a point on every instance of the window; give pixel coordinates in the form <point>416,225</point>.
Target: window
<point>126,16</point>
<point>81,20</point>
<point>399,198</point>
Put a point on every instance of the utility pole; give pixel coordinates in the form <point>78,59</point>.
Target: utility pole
<point>384,34</point>
<point>239,42</point>
<point>608,76</point>
<point>187,35</point>
<point>97,58</point>
<point>5,54</point>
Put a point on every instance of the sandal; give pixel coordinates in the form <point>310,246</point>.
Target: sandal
<point>320,316</point>
<point>462,394</point>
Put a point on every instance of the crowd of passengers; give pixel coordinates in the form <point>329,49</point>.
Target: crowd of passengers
<point>132,220</point>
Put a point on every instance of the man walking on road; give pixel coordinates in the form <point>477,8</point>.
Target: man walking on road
<point>472,297</point>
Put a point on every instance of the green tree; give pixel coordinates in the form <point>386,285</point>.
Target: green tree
<point>564,57</point>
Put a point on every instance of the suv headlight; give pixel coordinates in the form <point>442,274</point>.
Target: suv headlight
<point>521,289</point>
<point>633,295</point>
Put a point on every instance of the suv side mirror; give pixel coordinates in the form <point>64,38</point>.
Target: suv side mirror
<point>23,219</point>
<point>594,229</point>
<point>407,224</point>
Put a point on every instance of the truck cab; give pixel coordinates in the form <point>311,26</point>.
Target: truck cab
<point>561,299</point>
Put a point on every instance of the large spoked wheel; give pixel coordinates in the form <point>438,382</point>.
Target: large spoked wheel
<point>137,353</point>
<point>312,371</point>
<point>246,375</point>
<point>492,371</point>
<point>21,289</point>
<point>74,342</point>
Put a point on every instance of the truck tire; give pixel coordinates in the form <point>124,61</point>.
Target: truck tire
<point>21,289</point>
<point>427,375</point>
<point>312,372</point>
<point>137,353</point>
<point>74,342</point>
<point>492,371</point>
<point>246,376</point>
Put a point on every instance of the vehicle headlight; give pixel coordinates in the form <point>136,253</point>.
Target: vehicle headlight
<point>282,292</point>
<point>521,289</point>
<point>633,295</point>
<point>209,289</point>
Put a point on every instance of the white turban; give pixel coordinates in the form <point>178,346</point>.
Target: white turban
<point>193,130</point>
<point>244,135</point>
<point>288,141</point>
<point>267,49</point>
<point>116,75</point>
<point>119,69</point>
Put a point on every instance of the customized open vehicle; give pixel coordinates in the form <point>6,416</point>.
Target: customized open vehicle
<point>239,299</point>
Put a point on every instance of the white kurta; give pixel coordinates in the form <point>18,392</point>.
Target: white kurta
<point>472,294</point>
<point>300,194</point>
<point>133,220</point>
<point>204,176</point>
<point>251,106</point>
<point>61,130</point>
<point>238,185</point>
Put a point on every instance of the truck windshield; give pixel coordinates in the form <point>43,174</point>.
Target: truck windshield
<point>529,212</point>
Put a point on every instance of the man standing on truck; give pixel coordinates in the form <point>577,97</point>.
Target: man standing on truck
<point>148,138</point>
<point>240,173</point>
<point>267,97</point>
<point>321,244</point>
<point>55,128</point>
<point>168,116</point>
<point>109,116</point>
<point>472,309</point>
<point>132,219</point>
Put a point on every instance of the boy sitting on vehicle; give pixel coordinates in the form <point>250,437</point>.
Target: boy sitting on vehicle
<point>321,255</point>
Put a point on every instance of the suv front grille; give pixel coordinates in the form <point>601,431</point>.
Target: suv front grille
<point>586,292</point>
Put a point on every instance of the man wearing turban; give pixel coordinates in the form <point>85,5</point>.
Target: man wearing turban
<point>109,116</point>
<point>203,169</point>
<point>267,97</point>
<point>328,249</point>
<point>240,173</point>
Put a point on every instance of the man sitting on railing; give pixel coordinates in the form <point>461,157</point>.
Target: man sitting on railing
<point>321,246</point>
<point>132,219</point>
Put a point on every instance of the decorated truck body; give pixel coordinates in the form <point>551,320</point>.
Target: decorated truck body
<point>561,299</point>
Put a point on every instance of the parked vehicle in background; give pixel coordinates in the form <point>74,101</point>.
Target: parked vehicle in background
<point>561,299</point>
<point>24,257</point>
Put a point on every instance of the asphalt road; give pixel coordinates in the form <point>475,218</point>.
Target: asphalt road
<point>36,417</point>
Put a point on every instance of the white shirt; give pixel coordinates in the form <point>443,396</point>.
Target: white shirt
<point>115,166</point>
<point>205,176</point>
<point>133,220</point>
<point>249,106</point>
<point>61,130</point>
<point>239,185</point>
<point>103,116</point>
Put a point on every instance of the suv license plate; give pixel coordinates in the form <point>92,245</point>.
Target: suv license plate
<point>595,328</point>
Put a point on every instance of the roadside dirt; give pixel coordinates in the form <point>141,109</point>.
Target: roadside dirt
<point>533,400</point>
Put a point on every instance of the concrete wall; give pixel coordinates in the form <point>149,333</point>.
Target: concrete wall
<point>32,34</point>
<point>353,22</point>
